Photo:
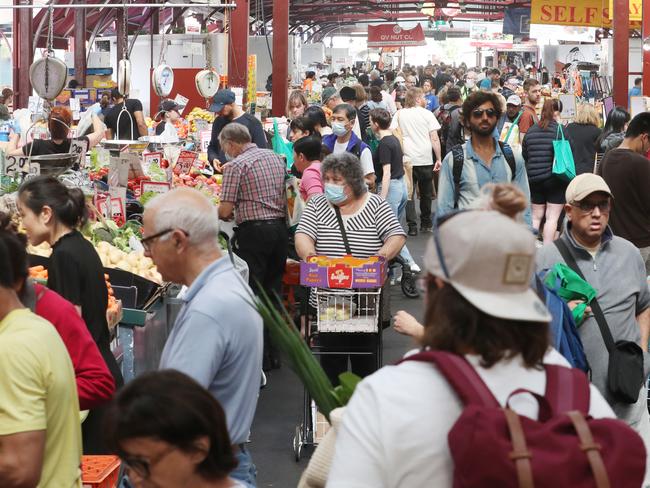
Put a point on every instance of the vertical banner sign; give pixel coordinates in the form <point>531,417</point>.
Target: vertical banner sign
<point>516,21</point>
<point>251,95</point>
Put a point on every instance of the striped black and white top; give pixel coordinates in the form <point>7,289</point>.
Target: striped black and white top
<point>367,229</point>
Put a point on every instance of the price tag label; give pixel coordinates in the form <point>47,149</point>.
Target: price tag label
<point>102,203</point>
<point>16,164</point>
<point>148,159</point>
<point>35,169</point>
<point>185,162</point>
<point>79,147</point>
<point>153,186</point>
<point>117,211</point>
<point>205,136</point>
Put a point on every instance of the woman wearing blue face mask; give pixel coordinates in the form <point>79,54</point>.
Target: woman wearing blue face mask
<point>371,229</point>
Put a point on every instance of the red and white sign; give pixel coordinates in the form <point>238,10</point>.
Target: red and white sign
<point>185,162</point>
<point>392,35</point>
<point>153,186</point>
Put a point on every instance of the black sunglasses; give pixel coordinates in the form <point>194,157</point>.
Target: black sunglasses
<point>478,113</point>
<point>588,207</point>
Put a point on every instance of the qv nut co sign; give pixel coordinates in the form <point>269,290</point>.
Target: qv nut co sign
<point>392,35</point>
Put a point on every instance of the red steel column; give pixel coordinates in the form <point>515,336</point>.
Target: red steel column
<point>621,26</point>
<point>80,46</point>
<point>23,53</point>
<point>646,54</point>
<point>280,56</point>
<point>120,35</point>
<point>238,44</point>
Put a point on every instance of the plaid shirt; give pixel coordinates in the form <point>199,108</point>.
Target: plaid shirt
<point>254,183</point>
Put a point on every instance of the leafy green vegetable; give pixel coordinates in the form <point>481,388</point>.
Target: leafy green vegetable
<point>287,338</point>
<point>146,196</point>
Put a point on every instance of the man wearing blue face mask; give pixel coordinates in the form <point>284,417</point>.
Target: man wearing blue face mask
<point>344,140</point>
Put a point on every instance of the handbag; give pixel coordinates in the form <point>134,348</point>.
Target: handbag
<point>280,146</point>
<point>625,371</point>
<point>563,165</point>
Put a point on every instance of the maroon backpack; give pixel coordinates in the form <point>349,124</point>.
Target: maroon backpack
<point>494,447</point>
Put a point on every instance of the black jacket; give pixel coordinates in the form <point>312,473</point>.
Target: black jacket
<point>537,151</point>
<point>583,145</point>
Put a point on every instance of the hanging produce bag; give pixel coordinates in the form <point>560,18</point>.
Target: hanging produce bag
<point>569,286</point>
<point>282,147</point>
<point>563,164</point>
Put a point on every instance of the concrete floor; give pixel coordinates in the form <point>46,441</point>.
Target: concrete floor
<point>280,405</point>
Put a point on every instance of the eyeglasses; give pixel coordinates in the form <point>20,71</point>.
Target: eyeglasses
<point>148,241</point>
<point>588,207</point>
<point>142,467</point>
<point>478,113</point>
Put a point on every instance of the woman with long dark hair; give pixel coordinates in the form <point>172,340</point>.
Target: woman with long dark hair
<point>614,131</point>
<point>53,213</point>
<point>546,189</point>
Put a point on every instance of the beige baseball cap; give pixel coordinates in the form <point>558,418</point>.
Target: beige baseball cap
<point>584,185</point>
<point>490,261</point>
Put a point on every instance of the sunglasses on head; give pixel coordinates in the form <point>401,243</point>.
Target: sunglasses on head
<point>478,113</point>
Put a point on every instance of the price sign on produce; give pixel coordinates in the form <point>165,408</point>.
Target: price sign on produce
<point>205,136</point>
<point>103,204</point>
<point>16,164</point>
<point>185,162</point>
<point>148,159</point>
<point>153,186</point>
<point>79,147</point>
<point>117,211</point>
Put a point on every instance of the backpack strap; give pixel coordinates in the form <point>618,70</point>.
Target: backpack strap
<point>567,389</point>
<point>510,158</point>
<point>457,171</point>
<point>460,375</point>
<point>357,148</point>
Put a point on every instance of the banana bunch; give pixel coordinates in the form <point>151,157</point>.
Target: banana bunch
<point>199,114</point>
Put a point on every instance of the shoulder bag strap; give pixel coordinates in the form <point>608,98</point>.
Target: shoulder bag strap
<point>595,307</point>
<point>344,234</point>
<point>458,155</point>
<point>460,375</point>
<point>512,126</point>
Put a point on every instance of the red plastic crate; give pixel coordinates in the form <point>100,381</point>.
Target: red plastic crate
<point>100,471</point>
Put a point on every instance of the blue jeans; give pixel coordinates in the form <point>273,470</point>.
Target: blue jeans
<point>245,472</point>
<point>397,197</point>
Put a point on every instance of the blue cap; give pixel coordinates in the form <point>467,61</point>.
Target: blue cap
<point>221,98</point>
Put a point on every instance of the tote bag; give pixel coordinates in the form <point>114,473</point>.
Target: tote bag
<point>563,164</point>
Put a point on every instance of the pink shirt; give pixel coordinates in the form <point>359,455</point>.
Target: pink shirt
<point>311,182</point>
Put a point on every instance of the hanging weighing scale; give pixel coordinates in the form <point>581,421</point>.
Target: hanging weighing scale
<point>162,78</point>
<point>48,74</point>
<point>207,80</point>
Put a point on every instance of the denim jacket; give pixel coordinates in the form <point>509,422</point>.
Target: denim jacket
<point>475,175</point>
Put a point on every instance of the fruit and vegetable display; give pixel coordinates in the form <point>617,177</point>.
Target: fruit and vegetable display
<point>199,114</point>
<point>114,309</point>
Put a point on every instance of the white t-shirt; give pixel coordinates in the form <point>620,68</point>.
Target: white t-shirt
<point>416,124</point>
<point>389,101</point>
<point>366,157</point>
<point>394,430</point>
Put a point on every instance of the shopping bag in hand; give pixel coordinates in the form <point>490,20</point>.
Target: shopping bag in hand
<point>563,164</point>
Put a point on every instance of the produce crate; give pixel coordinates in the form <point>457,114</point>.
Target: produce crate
<point>344,272</point>
<point>100,471</point>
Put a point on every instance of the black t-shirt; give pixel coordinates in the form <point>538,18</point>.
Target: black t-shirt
<point>626,174</point>
<point>254,127</point>
<point>128,129</point>
<point>48,146</point>
<point>389,151</point>
<point>76,273</point>
<point>583,139</point>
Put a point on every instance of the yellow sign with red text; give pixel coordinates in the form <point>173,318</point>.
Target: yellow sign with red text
<point>588,13</point>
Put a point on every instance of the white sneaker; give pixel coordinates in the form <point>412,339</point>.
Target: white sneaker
<point>415,268</point>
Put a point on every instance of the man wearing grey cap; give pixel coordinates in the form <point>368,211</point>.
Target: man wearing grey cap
<point>614,267</point>
<point>227,110</point>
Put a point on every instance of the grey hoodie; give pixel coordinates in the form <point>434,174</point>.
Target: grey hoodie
<point>612,141</point>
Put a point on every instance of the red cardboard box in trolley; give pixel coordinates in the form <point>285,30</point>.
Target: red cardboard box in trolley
<point>344,272</point>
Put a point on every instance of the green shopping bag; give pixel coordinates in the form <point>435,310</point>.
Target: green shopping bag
<point>563,165</point>
<point>280,146</point>
<point>570,286</point>
<point>373,142</point>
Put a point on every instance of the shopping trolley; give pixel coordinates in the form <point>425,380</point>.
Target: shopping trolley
<point>338,310</point>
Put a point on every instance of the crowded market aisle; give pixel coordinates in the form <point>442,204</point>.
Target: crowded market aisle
<point>280,405</point>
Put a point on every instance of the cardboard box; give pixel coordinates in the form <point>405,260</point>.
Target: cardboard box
<point>346,272</point>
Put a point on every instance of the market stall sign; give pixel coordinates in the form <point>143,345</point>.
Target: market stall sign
<point>489,34</point>
<point>205,137</point>
<point>590,13</point>
<point>392,35</point>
